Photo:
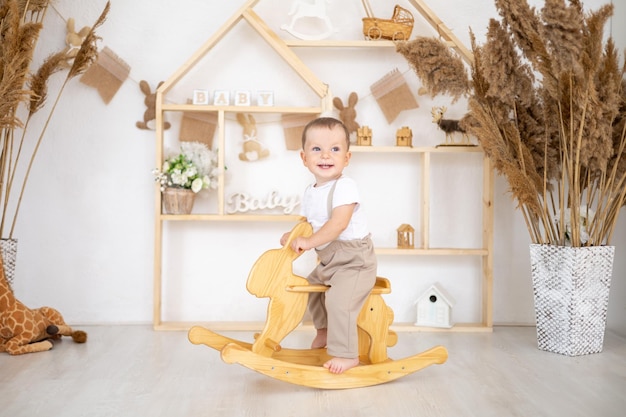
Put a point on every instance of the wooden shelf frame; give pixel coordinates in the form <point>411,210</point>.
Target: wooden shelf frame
<point>239,109</point>
<point>283,49</point>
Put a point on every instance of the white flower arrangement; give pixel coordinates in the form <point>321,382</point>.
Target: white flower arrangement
<point>195,168</point>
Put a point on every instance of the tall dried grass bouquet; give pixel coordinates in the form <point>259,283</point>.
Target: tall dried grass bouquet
<point>547,103</point>
<point>24,93</point>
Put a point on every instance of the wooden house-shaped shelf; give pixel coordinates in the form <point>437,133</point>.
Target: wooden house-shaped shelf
<point>218,117</point>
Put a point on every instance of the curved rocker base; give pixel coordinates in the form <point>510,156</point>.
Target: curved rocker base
<point>304,366</point>
<point>320,377</point>
<point>202,336</point>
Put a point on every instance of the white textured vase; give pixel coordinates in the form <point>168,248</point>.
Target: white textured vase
<point>571,291</point>
<point>8,247</point>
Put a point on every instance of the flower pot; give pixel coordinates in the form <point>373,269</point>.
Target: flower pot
<point>571,293</point>
<point>178,200</point>
<point>8,247</point>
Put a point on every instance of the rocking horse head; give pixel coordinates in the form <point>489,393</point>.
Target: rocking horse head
<point>273,271</point>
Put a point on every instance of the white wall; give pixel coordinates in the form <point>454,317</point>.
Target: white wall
<point>87,222</point>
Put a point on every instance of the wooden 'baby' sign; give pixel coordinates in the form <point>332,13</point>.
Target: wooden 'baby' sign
<point>244,202</point>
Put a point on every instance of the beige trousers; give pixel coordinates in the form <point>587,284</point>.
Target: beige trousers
<point>349,269</point>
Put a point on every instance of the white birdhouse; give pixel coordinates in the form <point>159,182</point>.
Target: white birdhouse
<point>434,308</point>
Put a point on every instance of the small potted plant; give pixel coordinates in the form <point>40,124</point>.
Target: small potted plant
<point>184,174</point>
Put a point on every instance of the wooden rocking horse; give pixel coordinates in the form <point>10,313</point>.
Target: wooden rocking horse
<point>272,276</point>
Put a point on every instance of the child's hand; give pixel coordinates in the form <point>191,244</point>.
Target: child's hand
<point>300,244</point>
<point>284,238</point>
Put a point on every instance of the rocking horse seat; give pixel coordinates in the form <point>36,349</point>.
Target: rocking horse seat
<point>382,286</point>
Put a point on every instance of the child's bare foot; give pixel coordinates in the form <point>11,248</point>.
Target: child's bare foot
<point>320,339</point>
<point>340,365</point>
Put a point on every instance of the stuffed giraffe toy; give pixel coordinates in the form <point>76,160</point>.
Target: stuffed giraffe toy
<point>24,330</point>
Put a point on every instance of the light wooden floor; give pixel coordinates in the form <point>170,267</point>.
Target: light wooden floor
<point>135,371</point>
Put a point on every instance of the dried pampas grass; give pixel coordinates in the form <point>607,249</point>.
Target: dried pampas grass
<point>16,52</point>
<point>439,69</point>
<point>19,87</point>
<point>39,81</point>
<point>32,5</point>
<point>88,52</point>
<point>548,105</point>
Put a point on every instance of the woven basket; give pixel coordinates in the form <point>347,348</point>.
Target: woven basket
<point>571,292</point>
<point>398,28</point>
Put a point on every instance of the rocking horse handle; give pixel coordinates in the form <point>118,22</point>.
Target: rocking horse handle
<point>304,229</point>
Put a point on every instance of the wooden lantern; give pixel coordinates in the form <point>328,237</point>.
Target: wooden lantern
<point>406,236</point>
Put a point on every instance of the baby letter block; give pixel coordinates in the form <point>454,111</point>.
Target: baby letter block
<point>200,97</point>
<point>265,98</point>
<point>242,98</point>
<point>221,98</point>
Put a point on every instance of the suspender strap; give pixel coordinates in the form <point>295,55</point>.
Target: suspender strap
<point>331,194</point>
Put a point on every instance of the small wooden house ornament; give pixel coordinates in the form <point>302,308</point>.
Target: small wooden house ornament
<point>406,236</point>
<point>404,137</point>
<point>364,136</point>
<point>434,308</point>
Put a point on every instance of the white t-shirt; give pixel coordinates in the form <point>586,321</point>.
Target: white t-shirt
<point>315,207</point>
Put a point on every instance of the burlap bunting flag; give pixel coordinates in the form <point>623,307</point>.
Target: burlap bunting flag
<point>393,95</point>
<point>107,74</point>
<point>293,125</point>
<point>198,127</point>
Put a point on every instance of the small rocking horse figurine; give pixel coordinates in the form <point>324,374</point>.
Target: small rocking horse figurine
<point>302,9</point>
<point>272,277</point>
